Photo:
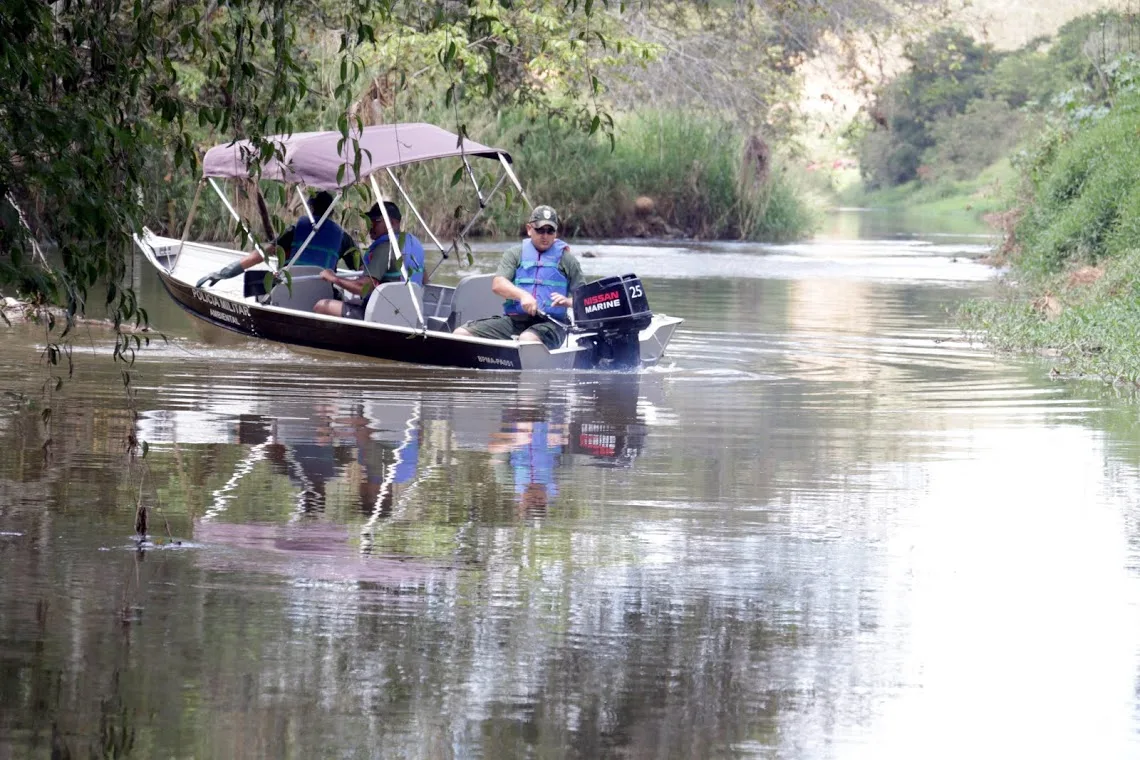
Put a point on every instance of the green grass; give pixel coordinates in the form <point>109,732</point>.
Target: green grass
<point>1090,329</point>
<point>989,192</point>
<point>1079,213</point>
<point>1084,195</point>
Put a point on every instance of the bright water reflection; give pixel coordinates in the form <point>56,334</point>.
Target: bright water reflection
<point>827,528</point>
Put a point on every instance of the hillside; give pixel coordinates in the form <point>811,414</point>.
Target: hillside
<point>832,99</point>
<point>1010,25</point>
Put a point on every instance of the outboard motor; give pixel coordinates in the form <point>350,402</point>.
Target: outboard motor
<point>615,309</point>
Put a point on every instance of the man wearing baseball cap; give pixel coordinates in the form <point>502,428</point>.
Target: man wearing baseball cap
<point>380,265</point>
<point>536,278</point>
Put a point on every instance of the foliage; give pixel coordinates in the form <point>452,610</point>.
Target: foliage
<point>946,73</point>
<point>960,86</point>
<point>1076,224</point>
<point>690,167</point>
<point>107,102</point>
<point>1083,193</point>
<point>1026,77</point>
<point>744,57</point>
<point>967,143</point>
<point>1092,329</point>
<point>1084,48</point>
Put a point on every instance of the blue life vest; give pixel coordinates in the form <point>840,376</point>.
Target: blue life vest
<point>323,250</point>
<point>538,273</point>
<point>535,462</point>
<point>412,256</point>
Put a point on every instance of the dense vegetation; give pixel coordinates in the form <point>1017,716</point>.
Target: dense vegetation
<point>666,174</point>
<point>1057,120</point>
<point>1072,235</point>
<point>961,105</point>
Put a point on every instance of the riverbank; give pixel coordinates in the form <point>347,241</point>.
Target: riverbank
<point>1073,245</point>
<point>957,203</point>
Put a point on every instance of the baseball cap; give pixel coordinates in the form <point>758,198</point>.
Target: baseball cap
<point>393,211</point>
<point>543,214</point>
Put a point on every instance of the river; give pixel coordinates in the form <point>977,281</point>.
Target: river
<point>825,527</point>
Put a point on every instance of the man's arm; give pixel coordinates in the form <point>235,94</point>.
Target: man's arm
<point>503,285</point>
<point>251,259</point>
<point>283,242</point>
<point>354,285</point>
<point>349,251</point>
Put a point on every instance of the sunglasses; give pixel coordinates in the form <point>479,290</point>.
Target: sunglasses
<point>546,230</point>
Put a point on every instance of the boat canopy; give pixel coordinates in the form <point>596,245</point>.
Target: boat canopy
<point>315,158</point>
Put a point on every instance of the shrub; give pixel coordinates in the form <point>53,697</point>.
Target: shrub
<point>968,143</point>
<point>1085,195</point>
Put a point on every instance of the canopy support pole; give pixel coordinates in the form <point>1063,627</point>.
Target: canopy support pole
<point>510,172</point>
<point>478,192</point>
<point>313,232</point>
<point>305,204</point>
<point>394,242</point>
<point>463,233</point>
<point>186,227</point>
<point>237,218</point>
<point>412,206</point>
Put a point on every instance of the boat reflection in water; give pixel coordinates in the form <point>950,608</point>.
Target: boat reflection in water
<point>340,475</point>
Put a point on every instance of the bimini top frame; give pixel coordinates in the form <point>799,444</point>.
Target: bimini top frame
<point>328,161</point>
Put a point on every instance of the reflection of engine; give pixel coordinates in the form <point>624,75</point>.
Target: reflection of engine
<point>616,445</point>
<point>614,310</point>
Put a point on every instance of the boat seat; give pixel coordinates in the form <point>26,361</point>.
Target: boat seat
<point>437,306</point>
<point>391,304</point>
<point>474,299</point>
<point>437,300</point>
<point>307,288</point>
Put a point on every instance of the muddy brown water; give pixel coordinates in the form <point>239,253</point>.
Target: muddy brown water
<point>825,527</point>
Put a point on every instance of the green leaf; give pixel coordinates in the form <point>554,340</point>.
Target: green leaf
<point>457,177</point>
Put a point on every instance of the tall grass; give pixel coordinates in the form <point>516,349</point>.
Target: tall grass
<point>1076,252</point>
<point>667,175</point>
<point>1084,195</point>
<point>1091,329</point>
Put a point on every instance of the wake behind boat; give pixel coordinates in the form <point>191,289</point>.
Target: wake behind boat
<point>611,327</point>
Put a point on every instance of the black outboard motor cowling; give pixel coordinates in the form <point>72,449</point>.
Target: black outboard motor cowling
<point>616,310</point>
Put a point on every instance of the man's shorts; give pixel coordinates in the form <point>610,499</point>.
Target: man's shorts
<point>352,310</point>
<point>355,308</point>
<point>505,328</point>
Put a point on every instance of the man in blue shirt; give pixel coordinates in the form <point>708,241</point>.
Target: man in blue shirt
<point>327,245</point>
<point>380,265</point>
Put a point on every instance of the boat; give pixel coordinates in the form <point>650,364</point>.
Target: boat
<point>611,326</point>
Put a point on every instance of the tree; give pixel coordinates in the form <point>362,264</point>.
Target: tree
<point>947,72</point>
<point>743,58</point>
<point>104,100</point>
